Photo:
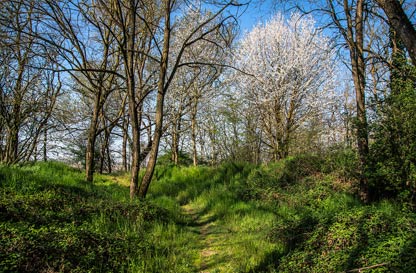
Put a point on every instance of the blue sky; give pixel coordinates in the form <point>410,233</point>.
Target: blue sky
<point>254,14</point>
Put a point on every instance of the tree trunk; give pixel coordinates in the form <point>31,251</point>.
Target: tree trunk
<point>147,178</point>
<point>175,145</point>
<point>107,148</point>
<point>176,125</point>
<point>12,147</point>
<point>284,147</point>
<point>129,59</point>
<point>45,142</point>
<point>2,136</point>
<point>92,136</point>
<point>193,132</point>
<point>102,156</point>
<point>124,144</point>
<point>161,91</point>
<point>135,128</point>
<point>356,49</point>
<point>35,150</point>
<point>401,24</point>
<point>89,155</point>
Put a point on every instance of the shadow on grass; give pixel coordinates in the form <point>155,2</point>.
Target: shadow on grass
<point>269,263</point>
<point>406,261</point>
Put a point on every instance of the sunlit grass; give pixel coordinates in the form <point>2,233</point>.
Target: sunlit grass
<point>231,234</point>
<point>231,218</point>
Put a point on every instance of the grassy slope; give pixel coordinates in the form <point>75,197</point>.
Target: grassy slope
<point>234,218</point>
<point>232,233</point>
<point>52,221</point>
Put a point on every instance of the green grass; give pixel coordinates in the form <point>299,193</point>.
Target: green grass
<point>232,218</point>
<point>231,234</point>
<point>51,219</point>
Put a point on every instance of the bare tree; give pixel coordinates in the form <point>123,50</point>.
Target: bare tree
<point>75,23</point>
<point>28,91</point>
<point>401,24</point>
<point>168,68</point>
<point>136,25</point>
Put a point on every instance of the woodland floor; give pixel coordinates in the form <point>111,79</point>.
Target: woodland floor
<point>225,219</point>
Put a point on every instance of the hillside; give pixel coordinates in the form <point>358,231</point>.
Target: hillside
<point>297,215</point>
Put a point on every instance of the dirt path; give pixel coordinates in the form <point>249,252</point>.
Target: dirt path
<point>208,239</point>
<point>230,234</point>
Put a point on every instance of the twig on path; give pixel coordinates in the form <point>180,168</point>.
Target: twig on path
<point>367,267</point>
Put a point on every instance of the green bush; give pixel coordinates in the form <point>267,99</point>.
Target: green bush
<point>262,181</point>
<point>184,159</point>
<point>298,167</point>
<point>392,159</point>
<point>357,237</point>
<point>343,162</point>
<point>64,249</point>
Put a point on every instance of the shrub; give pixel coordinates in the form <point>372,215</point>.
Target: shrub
<point>343,162</point>
<point>357,237</point>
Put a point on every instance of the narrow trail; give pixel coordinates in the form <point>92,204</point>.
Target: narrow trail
<point>200,223</point>
<point>225,247</point>
<point>211,257</point>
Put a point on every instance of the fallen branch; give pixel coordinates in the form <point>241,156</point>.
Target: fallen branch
<point>368,267</point>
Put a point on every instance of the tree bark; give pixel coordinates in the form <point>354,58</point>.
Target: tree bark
<point>124,144</point>
<point>193,132</point>
<point>401,24</point>
<point>161,91</point>
<point>175,140</point>
<point>135,128</point>
<point>128,52</point>
<point>45,142</point>
<point>92,136</point>
<point>12,147</point>
<point>356,49</point>
<point>107,148</point>
<point>89,156</point>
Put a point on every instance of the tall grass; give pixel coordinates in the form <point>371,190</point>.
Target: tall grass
<point>52,220</point>
<point>232,218</point>
<point>233,233</point>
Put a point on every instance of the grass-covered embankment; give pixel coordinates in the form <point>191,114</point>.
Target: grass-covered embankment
<point>323,226</point>
<point>53,221</point>
<point>297,215</point>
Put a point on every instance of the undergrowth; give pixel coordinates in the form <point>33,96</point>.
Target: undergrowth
<point>51,220</point>
<point>297,215</point>
<point>322,224</point>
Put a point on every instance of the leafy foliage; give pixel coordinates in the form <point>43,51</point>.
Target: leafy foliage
<point>323,226</point>
<point>392,168</point>
<point>183,159</point>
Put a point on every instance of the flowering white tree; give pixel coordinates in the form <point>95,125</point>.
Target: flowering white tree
<point>288,77</point>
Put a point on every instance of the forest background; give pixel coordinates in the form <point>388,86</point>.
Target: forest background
<point>192,130</point>
<point>109,85</point>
